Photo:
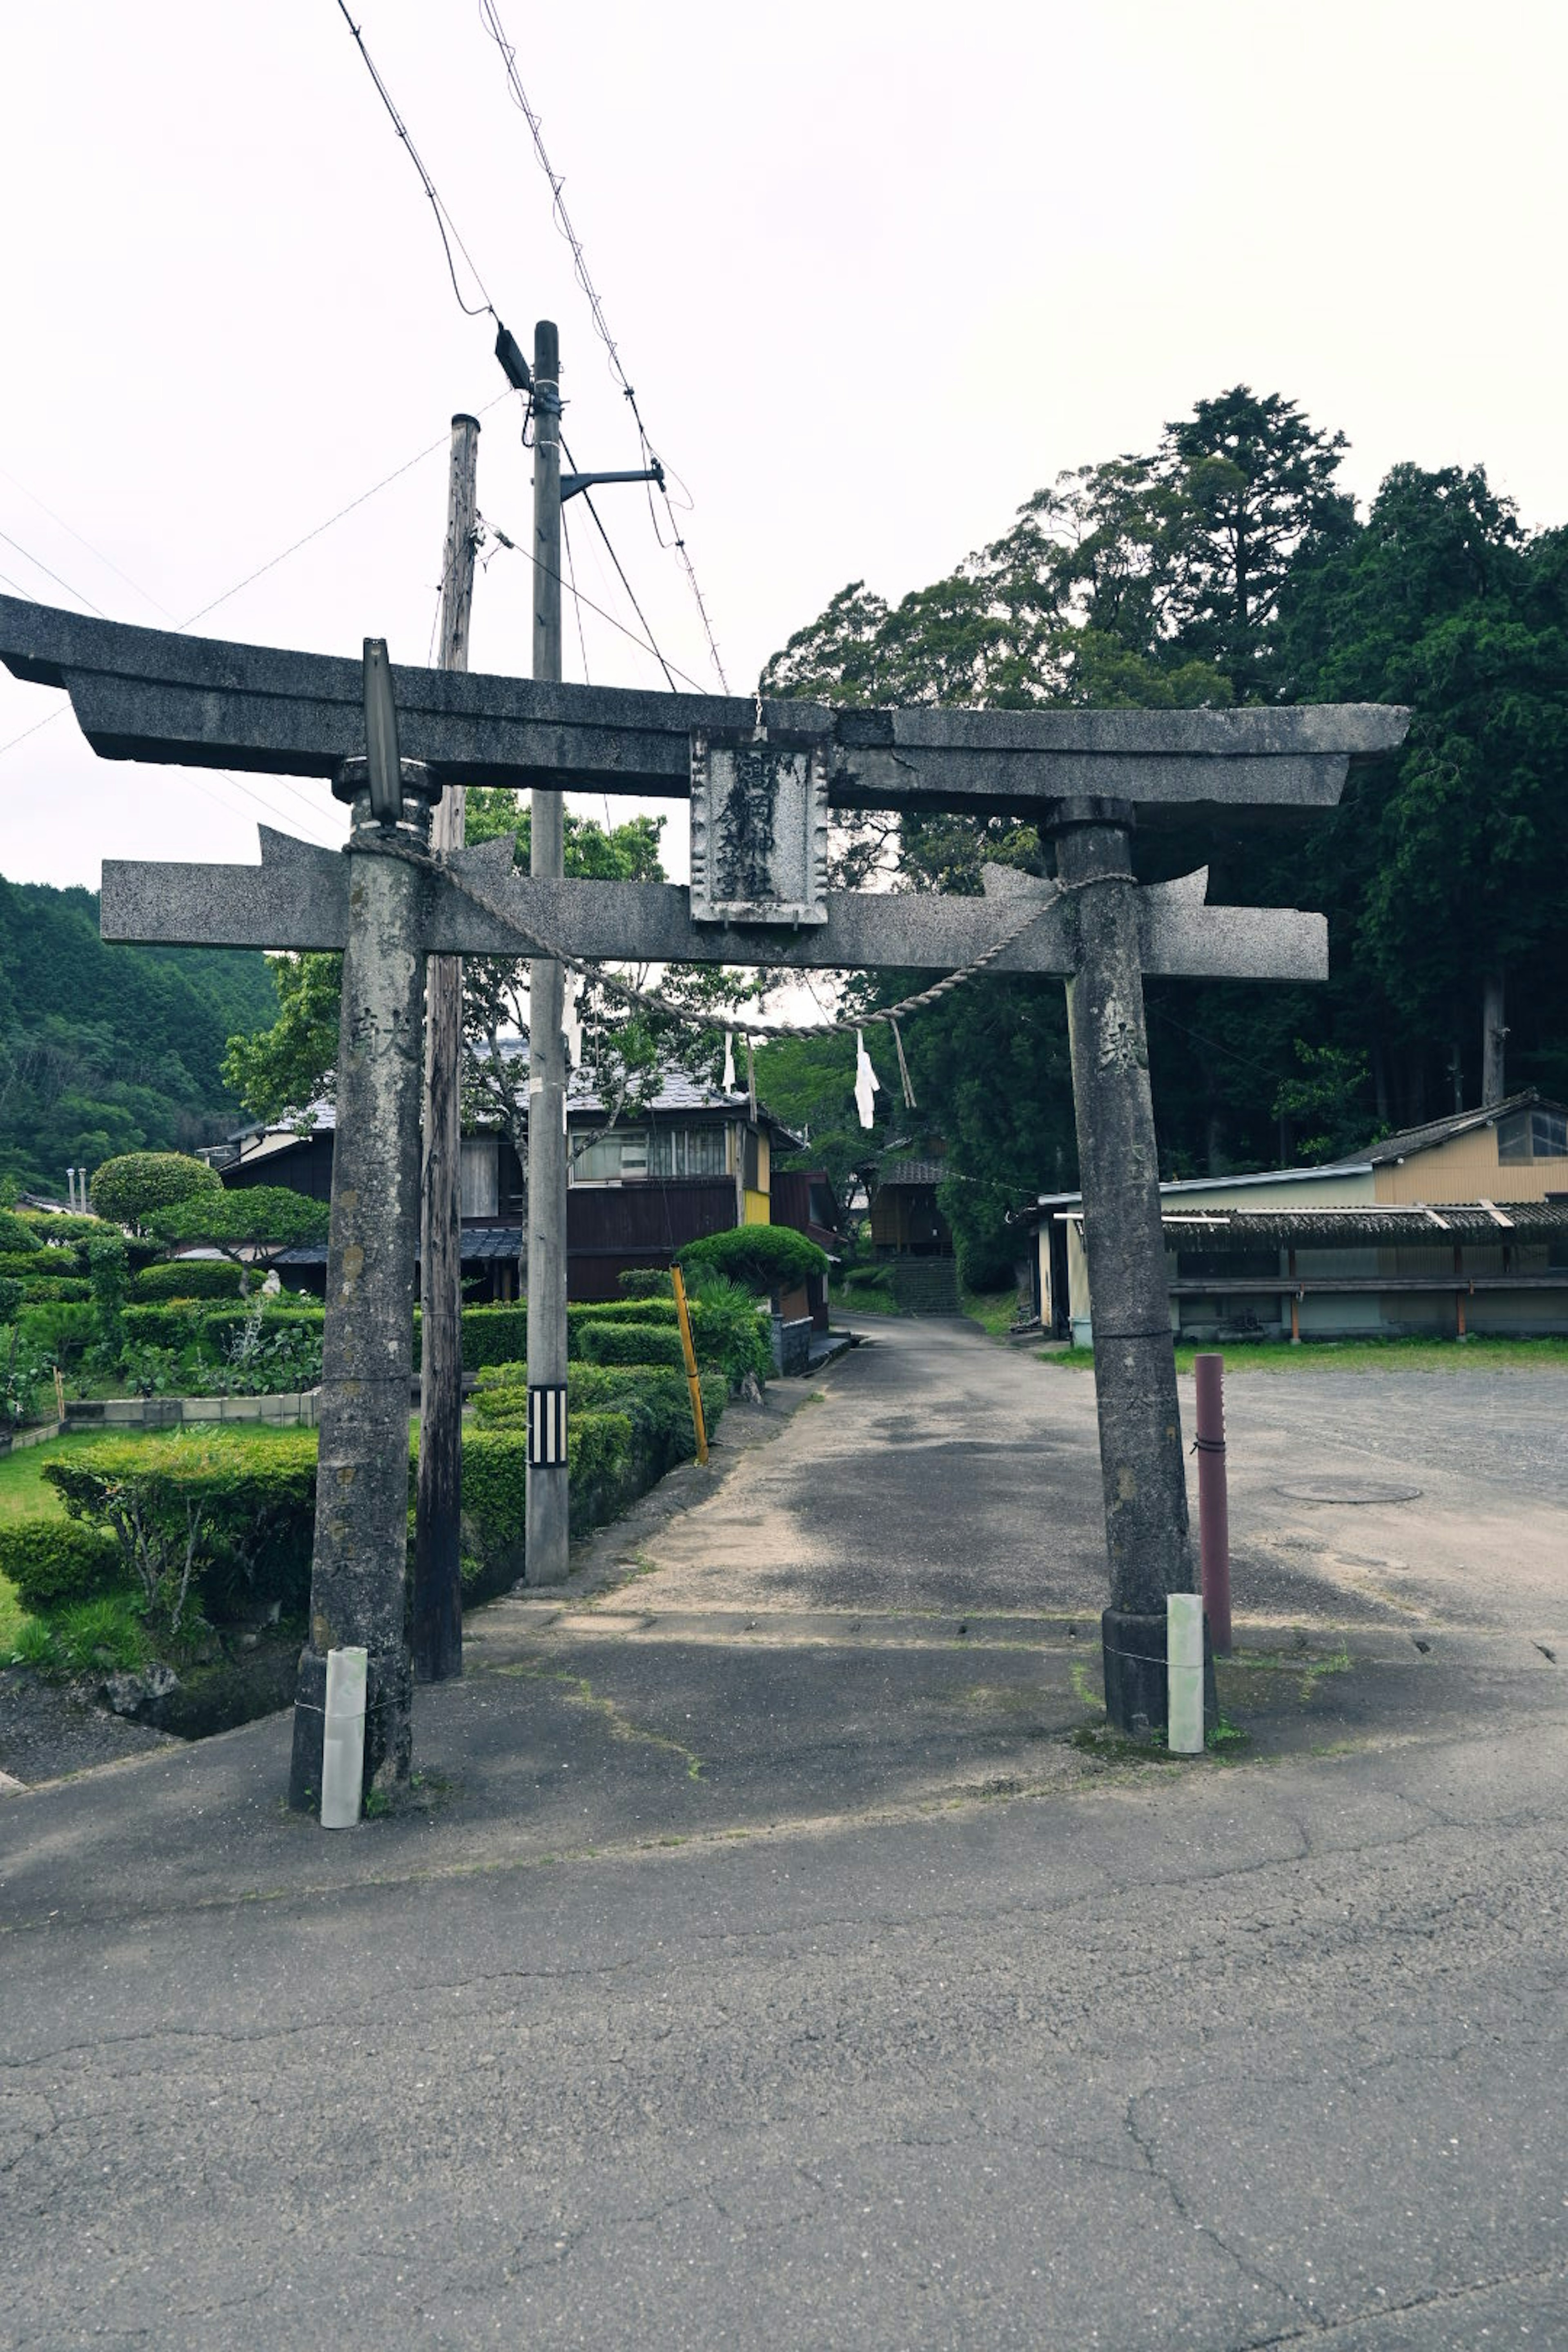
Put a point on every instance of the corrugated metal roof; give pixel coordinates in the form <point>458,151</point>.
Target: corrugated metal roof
<point>911,1171</point>
<point>1416,1226</point>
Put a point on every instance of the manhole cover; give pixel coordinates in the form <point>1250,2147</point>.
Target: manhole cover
<point>1347,1490</point>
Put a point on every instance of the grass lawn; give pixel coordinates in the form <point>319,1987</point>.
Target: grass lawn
<point>1368,1355</point>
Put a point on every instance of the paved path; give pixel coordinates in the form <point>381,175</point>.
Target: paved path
<point>721,1988</point>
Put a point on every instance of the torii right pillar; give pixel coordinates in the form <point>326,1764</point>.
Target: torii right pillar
<point>1141,1457</point>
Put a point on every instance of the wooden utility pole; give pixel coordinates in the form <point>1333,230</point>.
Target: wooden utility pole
<point>438,1578</point>
<point>549,1535</point>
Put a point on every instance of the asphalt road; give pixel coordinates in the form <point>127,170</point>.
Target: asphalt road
<point>1228,2057</point>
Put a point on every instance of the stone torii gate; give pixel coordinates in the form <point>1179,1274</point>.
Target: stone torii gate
<point>763,778</point>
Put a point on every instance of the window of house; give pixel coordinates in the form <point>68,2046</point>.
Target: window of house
<point>1532,1135</point>
<point>687,1151</point>
<point>478,1176</point>
<point>610,1158</point>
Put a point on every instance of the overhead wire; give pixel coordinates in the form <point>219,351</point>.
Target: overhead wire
<point>261,570</point>
<point>444,220</point>
<point>38,564</point>
<point>491,18</point>
<point>515,548</point>
<point>107,561</point>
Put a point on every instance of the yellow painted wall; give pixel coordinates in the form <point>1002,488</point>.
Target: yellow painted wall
<point>757,1207</point>
<point>1467,1167</point>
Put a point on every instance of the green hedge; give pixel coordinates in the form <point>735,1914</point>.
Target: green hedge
<point>188,1277</point>
<point>253,1497</point>
<point>28,1263</point>
<point>65,1226</point>
<point>15,1236</point>
<point>630,1343</point>
<point>49,1289</point>
<point>655,1398</point>
<point>176,1323</point>
<point>53,1562</point>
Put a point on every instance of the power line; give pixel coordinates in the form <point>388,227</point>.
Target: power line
<point>40,565</point>
<point>107,561</point>
<point>615,559</point>
<point>444,220</point>
<point>573,590</point>
<point>491,18</point>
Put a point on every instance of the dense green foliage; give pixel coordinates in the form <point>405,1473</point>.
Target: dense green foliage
<point>131,1190</point>
<point>1226,567</point>
<point>109,1049</point>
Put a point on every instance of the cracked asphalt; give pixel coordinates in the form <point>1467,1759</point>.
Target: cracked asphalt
<point>761,1964</point>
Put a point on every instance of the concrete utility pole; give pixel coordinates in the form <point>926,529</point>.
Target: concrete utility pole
<point>438,1580</point>
<point>1141,1466</point>
<point>549,1535</point>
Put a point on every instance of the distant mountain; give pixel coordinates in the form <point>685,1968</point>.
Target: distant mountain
<point>109,1049</point>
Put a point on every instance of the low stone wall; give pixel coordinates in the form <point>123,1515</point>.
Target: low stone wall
<point>792,1347</point>
<point>288,1411</point>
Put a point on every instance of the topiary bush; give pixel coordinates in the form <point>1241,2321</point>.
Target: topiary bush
<point>764,1257</point>
<point>59,1331</point>
<point>188,1277</point>
<point>53,1561</point>
<point>625,1310</point>
<point>133,1188</point>
<point>630,1343</point>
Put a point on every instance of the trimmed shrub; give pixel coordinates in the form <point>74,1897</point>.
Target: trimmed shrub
<point>128,1190</point>
<point>495,1500</point>
<point>16,1236</point>
<point>491,1335</point>
<point>188,1277</point>
<point>52,1561</point>
<point>56,1289</point>
<point>26,1263</point>
<point>64,1225</point>
<point>629,1343</point>
<point>61,1332</point>
<point>175,1323</point>
<point>601,1467</point>
<point>239,1507</point>
<point>764,1257</point>
<point>626,1310</point>
<point>648,1282</point>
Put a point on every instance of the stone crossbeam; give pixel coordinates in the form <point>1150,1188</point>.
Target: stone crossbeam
<point>299,896</point>
<point>149,694</point>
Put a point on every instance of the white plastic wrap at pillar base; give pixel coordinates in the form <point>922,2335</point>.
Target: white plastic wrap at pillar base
<point>1184,1666</point>
<point>343,1749</point>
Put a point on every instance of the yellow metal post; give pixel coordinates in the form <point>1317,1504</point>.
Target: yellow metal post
<point>690,1352</point>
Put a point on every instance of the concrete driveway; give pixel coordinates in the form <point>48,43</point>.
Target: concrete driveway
<point>760,1962</point>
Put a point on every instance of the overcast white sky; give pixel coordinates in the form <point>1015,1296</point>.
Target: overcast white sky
<point>877,272</point>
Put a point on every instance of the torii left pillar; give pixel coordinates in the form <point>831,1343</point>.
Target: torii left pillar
<point>359,1583</point>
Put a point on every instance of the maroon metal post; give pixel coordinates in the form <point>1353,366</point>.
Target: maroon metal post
<point>1214,1508</point>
